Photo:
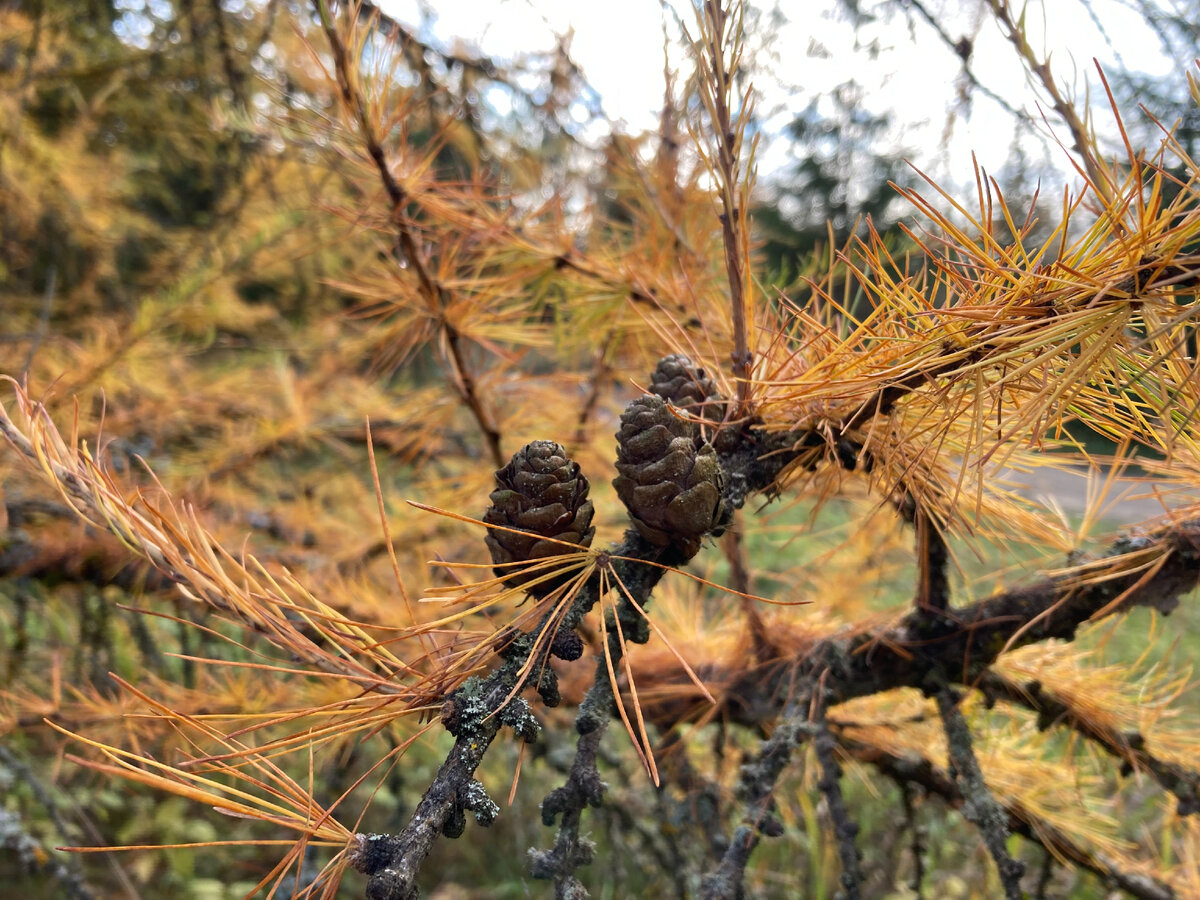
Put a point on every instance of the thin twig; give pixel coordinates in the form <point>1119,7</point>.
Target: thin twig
<point>734,549</point>
<point>1129,747</point>
<point>702,804</point>
<point>962,49</point>
<point>584,787</point>
<point>907,768</point>
<point>980,806</point>
<point>1044,876</point>
<point>601,372</point>
<point>1040,69</point>
<point>756,788</point>
<point>720,28</point>
<point>916,883</point>
<point>845,829</point>
<point>235,77</point>
<point>933,587</point>
<point>436,294</point>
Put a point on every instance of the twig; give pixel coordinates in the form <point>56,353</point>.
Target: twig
<point>600,373</point>
<point>1040,69</point>
<point>583,787</point>
<point>918,771</point>
<point>474,714</point>
<point>845,829</point>
<point>701,804</point>
<point>1129,747</point>
<point>933,588</point>
<point>22,771</point>
<point>756,787</point>
<point>14,836</point>
<point>1044,876</point>
<point>509,75</point>
<point>235,77</point>
<point>979,805</point>
<point>962,49</point>
<point>719,28</point>
<point>884,399</point>
<point>734,549</point>
<point>436,294</point>
<point>916,883</point>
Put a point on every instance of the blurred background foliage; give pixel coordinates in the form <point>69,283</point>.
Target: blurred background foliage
<point>196,265</point>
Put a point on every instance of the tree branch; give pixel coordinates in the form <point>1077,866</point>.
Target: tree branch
<point>756,787</point>
<point>584,787</point>
<point>845,829</point>
<point>718,28</point>
<point>474,713</point>
<point>1040,69</point>
<point>1129,747</point>
<point>14,836</point>
<point>1153,571</point>
<point>436,294</point>
<point>979,805</point>
<point>933,588</point>
<point>963,48</point>
<point>908,769</point>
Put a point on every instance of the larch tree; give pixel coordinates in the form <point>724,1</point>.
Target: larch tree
<point>323,293</point>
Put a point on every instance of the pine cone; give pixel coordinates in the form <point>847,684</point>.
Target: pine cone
<point>681,382</point>
<point>670,482</point>
<point>541,492</point>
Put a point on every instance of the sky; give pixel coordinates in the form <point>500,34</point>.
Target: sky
<point>619,46</point>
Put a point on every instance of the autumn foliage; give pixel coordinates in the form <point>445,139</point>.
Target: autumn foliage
<point>361,469</point>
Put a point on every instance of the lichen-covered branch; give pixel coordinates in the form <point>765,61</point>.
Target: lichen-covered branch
<point>1129,747</point>
<point>584,786</point>
<point>845,829</point>
<point>980,806</point>
<point>582,789</point>
<point>1152,571</point>
<point>756,788</point>
<point>934,780</point>
<point>28,849</point>
<point>474,714</point>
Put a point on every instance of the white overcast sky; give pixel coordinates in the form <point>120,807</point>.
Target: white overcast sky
<point>619,46</point>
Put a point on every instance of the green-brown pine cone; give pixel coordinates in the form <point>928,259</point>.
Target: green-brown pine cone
<point>541,492</point>
<point>681,382</point>
<point>669,481</point>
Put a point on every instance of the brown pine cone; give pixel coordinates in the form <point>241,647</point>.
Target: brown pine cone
<point>542,493</point>
<point>670,482</point>
<point>681,382</point>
